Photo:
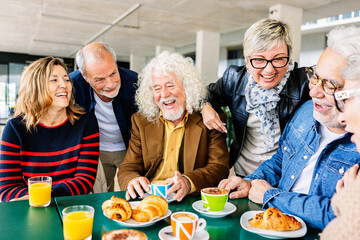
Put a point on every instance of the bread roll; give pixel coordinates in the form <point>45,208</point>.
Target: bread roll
<point>149,208</point>
<point>274,219</point>
<point>117,208</point>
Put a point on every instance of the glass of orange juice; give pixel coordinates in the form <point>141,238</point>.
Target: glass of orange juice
<point>39,191</point>
<point>78,222</point>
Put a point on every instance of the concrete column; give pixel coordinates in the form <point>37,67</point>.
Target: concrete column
<point>293,17</point>
<point>160,49</point>
<point>137,63</point>
<point>207,55</point>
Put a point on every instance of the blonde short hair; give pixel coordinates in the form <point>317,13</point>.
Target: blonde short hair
<point>34,98</point>
<point>264,35</point>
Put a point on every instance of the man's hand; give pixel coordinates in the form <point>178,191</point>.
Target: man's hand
<point>212,120</point>
<point>137,186</point>
<point>180,184</point>
<point>238,184</point>
<point>350,175</point>
<point>257,190</point>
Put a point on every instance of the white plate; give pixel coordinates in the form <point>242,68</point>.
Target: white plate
<point>200,235</point>
<point>133,223</point>
<point>244,221</point>
<point>169,199</point>
<point>199,207</point>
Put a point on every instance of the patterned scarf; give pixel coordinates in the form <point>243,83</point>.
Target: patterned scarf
<point>262,102</point>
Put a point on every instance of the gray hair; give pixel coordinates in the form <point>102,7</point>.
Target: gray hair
<point>352,69</point>
<point>344,40</point>
<point>264,35</point>
<point>194,88</point>
<point>96,51</point>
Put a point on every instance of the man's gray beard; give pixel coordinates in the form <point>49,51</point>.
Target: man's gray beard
<point>329,123</point>
<point>105,95</point>
<point>173,117</point>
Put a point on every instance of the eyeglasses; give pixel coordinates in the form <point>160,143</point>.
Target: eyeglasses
<point>326,85</point>
<point>341,97</point>
<point>261,63</point>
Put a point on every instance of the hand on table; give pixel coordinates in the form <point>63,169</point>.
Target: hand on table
<point>350,176</point>
<point>137,186</point>
<point>212,120</point>
<point>26,197</point>
<point>257,190</point>
<point>238,184</point>
<point>180,184</point>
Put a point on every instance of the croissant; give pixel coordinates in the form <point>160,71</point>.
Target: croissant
<point>274,219</point>
<point>117,208</point>
<point>149,208</point>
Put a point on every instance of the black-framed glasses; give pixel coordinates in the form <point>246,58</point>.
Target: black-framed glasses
<point>261,63</point>
<point>326,85</point>
<point>341,97</point>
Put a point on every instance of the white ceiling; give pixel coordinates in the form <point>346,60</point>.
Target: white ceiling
<point>60,28</point>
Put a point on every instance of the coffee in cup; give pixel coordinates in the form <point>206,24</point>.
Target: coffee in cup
<point>159,187</point>
<point>214,198</point>
<point>186,224</point>
<point>125,234</point>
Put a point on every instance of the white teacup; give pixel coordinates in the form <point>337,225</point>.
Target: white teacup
<point>159,187</point>
<point>186,224</point>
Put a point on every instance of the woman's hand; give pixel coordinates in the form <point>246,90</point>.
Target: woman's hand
<point>26,197</point>
<point>212,120</point>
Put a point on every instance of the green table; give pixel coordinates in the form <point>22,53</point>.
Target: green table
<point>20,221</point>
<point>218,228</point>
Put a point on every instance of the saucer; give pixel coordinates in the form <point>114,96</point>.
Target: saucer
<point>244,222</point>
<point>199,207</point>
<point>200,235</point>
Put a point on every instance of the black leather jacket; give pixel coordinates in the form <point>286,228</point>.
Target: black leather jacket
<point>229,91</point>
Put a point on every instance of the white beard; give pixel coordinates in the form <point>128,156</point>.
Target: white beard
<point>175,116</point>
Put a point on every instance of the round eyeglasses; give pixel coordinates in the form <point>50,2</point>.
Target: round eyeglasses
<point>261,63</point>
<point>326,85</point>
<point>341,97</point>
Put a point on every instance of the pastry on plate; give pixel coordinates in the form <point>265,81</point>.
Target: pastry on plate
<point>117,208</point>
<point>274,219</point>
<point>149,208</point>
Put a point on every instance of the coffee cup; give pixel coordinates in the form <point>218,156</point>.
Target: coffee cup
<point>159,187</point>
<point>186,224</point>
<point>124,234</point>
<point>214,198</point>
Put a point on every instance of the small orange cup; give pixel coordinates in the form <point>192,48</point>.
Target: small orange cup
<point>185,225</point>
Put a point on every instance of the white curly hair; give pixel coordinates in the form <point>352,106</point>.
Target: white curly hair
<point>194,88</point>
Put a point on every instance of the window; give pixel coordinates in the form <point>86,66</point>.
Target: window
<point>4,111</point>
<point>346,15</point>
<point>235,56</point>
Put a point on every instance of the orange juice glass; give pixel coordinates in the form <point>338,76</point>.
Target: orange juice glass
<point>39,191</point>
<point>78,222</point>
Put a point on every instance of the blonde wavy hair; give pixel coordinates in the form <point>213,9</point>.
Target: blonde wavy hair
<point>34,97</point>
<point>194,88</point>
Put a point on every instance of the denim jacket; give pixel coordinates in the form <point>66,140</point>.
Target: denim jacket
<point>297,144</point>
